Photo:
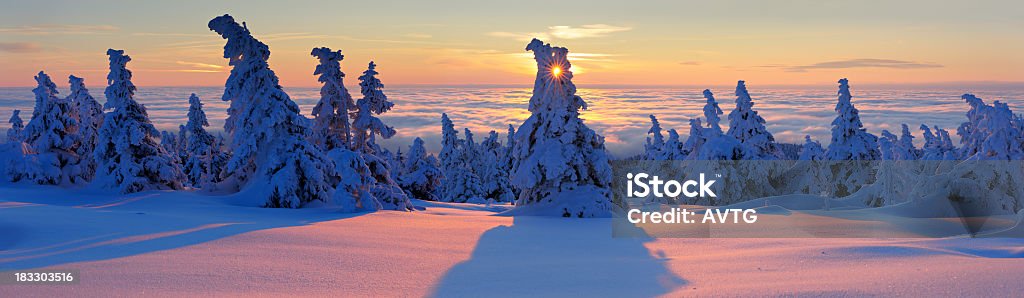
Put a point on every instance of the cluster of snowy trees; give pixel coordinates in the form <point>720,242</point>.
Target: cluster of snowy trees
<point>992,132</point>
<point>475,173</point>
<point>856,162</point>
<point>553,164</point>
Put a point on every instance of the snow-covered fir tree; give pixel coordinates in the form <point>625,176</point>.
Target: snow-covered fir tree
<point>270,153</point>
<point>850,141</point>
<point>748,127</point>
<point>904,147</point>
<point>887,145</point>
<point>695,140</point>
<point>561,164</point>
<point>331,125</point>
<point>491,172</point>
<point>461,184</point>
<point>938,146</point>
<point>812,150</point>
<point>90,119</point>
<point>53,135</point>
<point>990,132</point>
<point>422,176</point>
<point>673,149</point>
<point>374,102</point>
<point>655,141</point>
<point>14,134</point>
<point>712,113</point>
<point>507,158</point>
<point>367,127</point>
<point>200,146</point>
<point>814,174</point>
<point>128,156</point>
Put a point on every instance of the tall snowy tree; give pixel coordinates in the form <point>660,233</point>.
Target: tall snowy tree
<point>461,184</point>
<point>90,119</point>
<point>655,141</point>
<point>905,146</point>
<point>748,127</point>
<point>990,132</point>
<point>14,134</point>
<point>53,134</point>
<point>374,102</point>
<point>495,178</point>
<point>713,113</point>
<point>200,146</point>
<point>695,140</point>
<point>331,126</point>
<point>270,153</point>
<point>850,141</point>
<point>129,158</point>
<point>673,147</point>
<point>561,164</point>
<point>366,127</point>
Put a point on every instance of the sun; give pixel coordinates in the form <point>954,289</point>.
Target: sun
<point>556,71</point>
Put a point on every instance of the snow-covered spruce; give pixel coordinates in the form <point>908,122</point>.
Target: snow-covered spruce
<point>461,184</point>
<point>812,150</point>
<point>695,140</point>
<point>937,146</point>
<point>561,164</point>
<point>748,127</point>
<point>494,176</point>
<point>374,102</point>
<point>422,176</point>
<point>90,119</point>
<point>713,113</point>
<point>201,148</point>
<point>272,161</point>
<point>15,133</point>
<point>991,132</point>
<point>655,141</point>
<point>128,156</point>
<point>53,134</point>
<point>366,127</point>
<point>713,144</point>
<point>904,148</point>
<point>850,141</point>
<point>331,126</point>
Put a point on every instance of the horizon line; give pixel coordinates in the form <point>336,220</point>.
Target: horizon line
<point>618,86</point>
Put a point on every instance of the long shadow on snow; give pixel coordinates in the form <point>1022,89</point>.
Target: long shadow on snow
<point>42,226</point>
<point>539,256</point>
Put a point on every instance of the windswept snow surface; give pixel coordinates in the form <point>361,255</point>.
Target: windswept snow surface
<point>178,243</point>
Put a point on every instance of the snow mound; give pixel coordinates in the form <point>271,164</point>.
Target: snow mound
<point>585,201</point>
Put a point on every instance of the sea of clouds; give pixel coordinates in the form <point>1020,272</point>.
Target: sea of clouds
<point>619,114</point>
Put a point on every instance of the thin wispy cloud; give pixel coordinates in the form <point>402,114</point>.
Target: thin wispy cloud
<point>200,65</point>
<point>18,47</point>
<point>690,63</point>
<point>585,31</point>
<point>565,32</point>
<point>856,63</point>
<point>48,29</point>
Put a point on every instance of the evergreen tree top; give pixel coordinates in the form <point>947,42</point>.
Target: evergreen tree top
<point>330,63</point>
<point>16,118</point>
<point>120,87</point>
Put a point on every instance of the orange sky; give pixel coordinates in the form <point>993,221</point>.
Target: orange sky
<point>455,43</point>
